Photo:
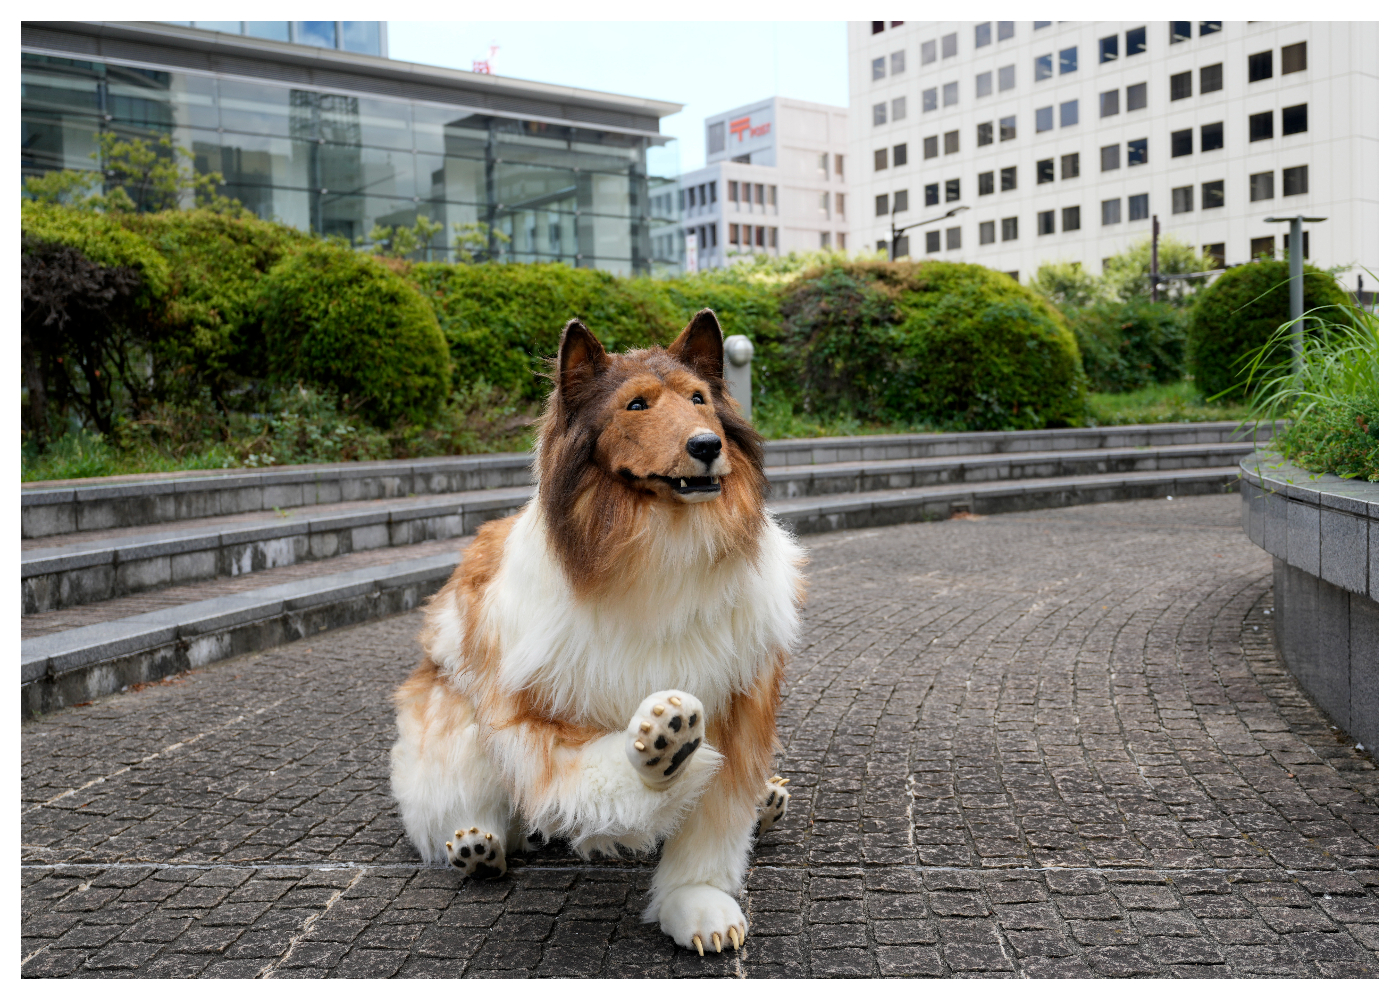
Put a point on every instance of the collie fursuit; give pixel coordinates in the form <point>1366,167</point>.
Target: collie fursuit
<point>605,665</point>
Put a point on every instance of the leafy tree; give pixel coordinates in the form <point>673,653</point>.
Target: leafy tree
<point>1127,275</point>
<point>471,239</point>
<point>1066,284</point>
<point>138,176</point>
<point>402,242</point>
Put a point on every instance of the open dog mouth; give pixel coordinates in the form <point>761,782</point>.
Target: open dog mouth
<point>691,484</point>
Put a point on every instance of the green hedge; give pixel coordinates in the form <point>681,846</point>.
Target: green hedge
<point>1130,345</point>
<point>1238,314</point>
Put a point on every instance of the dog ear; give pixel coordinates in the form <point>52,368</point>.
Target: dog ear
<point>701,346</point>
<point>581,357</point>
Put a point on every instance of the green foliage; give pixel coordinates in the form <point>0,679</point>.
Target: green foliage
<point>1175,402</point>
<point>102,239</point>
<point>1130,345</point>
<point>1066,284</point>
<point>1237,315</point>
<point>347,322</point>
<point>402,242</point>
<point>1127,275</point>
<point>1338,436</point>
<point>471,239</point>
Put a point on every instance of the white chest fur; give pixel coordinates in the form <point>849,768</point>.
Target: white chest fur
<point>691,622</point>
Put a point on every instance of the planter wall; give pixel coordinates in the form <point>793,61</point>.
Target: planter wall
<point>1324,535</point>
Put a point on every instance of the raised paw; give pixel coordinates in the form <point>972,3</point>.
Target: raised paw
<point>773,804</point>
<point>478,854</point>
<point>668,727</point>
<point>704,918</point>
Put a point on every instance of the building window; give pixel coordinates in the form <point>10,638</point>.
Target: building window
<point>1181,31</point>
<point>1137,96</point>
<point>1295,119</point>
<point>1069,219</point>
<point>1136,40</point>
<point>901,201</point>
<point>876,27</point>
<point>1005,30</point>
<point>1006,78</point>
<point>1044,119</point>
<point>714,138</point>
<point>824,239</point>
<point>882,159</point>
<point>1181,85</point>
<point>1108,49</point>
<point>1069,166</point>
<point>734,234</point>
<point>950,94</point>
<point>1137,207</point>
<point>1008,128</point>
<point>1213,194</point>
<point>734,192</point>
<point>1294,58</point>
<point>931,241</point>
<point>1037,25</point>
<point>930,97</point>
<point>984,84</point>
<point>878,113</point>
<point>1261,186</point>
<point>1306,249</point>
<point>1183,200</point>
<point>982,34</point>
<point>1069,113</point>
<point>1045,171</point>
<point>928,52</point>
<point>1212,78</point>
<point>748,236</point>
<point>1108,103</point>
<point>1108,158</point>
<point>896,62</point>
<point>954,235</point>
<point>1009,229</point>
<point>1181,143</point>
<point>1261,248</point>
<point>1210,28</point>
<point>758,195</point>
<point>877,68</point>
<point>1261,66</point>
<point>1069,59</point>
<point>1008,178</point>
<point>1214,253</point>
<point>901,154</point>
<point>930,194</point>
<point>952,190</point>
<point>897,109</point>
<point>930,146</point>
<point>1044,67</point>
<point>840,205</point>
<point>1295,181</point>
<point>882,204</point>
<point>748,193</point>
<point>986,182</point>
<point>986,233</point>
<point>1045,223</point>
<point>985,134</point>
<point>1261,126</point>
<point>773,195</point>
<point>950,45</point>
<point>1212,136</point>
<point>758,236</point>
<point>841,165</point>
<point>950,142</point>
<point>1112,211</point>
<point>1137,152</point>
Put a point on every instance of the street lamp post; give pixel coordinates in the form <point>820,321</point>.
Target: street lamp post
<point>1295,279</point>
<point>895,234</point>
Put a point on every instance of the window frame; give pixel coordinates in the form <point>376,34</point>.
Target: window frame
<point>1212,191</point>
<point>1218,128</point>
<point>1116,206</point>
<point>1183,142</point>
<point>1261,65</point>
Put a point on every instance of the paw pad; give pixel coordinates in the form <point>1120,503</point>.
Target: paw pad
<point>773,804</point>
<point>477,854</point>
<point>669,726</point>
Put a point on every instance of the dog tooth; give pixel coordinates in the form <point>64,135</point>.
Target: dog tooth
<point>699,945</point>
<point>674,701</point>
<point>682,484</point>
<point>640,745</point>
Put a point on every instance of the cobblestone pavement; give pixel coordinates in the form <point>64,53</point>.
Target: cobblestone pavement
<point>1044,744</point>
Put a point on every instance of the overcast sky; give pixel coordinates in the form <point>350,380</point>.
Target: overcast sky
<point>707,66</point>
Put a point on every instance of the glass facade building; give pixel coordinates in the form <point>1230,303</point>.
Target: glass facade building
<point>368,151</point>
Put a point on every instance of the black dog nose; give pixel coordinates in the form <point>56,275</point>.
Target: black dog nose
<point>705,447</point>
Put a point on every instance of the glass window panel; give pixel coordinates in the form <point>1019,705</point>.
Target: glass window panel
<point>1112,212</point>
<point>984,84</point>
<point>254,107</point>
<point>360,36</point>
<point>1137,97</point>
<point>1044,119</point>
<point>950,94</point>
<point>1069,219</point>
<point>1212,78</point>
<point>228,27</point>
<point>318,33</point>
<point>277,31</point>
<point>1213,194</point>
<point>1005,30</point>
<point>930,97</point>
<point>1069,166</point>
<point>1136,39</point>
<point>1210,27</point>
<point>982,34</point>
<point>1006,78</point>
<point>949,45</point>
<point>1137,152</point>
<point>1069,59</point>
<point>928,52</point>
<point>1069,113</point>
<point>1212,136</point>
<point>1181,31</point>
<point>1044,67</point>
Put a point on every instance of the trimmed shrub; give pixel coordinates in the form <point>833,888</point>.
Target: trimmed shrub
<point>342,320</point>
<point>1130,345</point>
<point>1238,313</point>
<point>102,239</point>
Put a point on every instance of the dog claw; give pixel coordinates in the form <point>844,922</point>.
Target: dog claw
<point>719,945</point>
<point>699,945</point>
<point>645,727</point>
<point>472,830</point>
<point>734,936</point>
<point>640,745</point>
<point>459,834</point>
<point>657,709</point>
<point>674,701</point>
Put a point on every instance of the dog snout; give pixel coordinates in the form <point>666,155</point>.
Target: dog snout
<point>704,447</point>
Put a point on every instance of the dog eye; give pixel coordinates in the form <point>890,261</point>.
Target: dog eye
<point>637,404</point>
<point>698,399</point>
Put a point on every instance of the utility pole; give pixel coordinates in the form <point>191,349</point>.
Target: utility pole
<point>1295,280</point>
<point>1156,232</point>
<point>895,234</point>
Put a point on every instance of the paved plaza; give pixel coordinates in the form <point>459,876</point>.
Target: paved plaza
<point>1055,743</point>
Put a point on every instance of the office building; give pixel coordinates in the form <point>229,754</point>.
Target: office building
<point>774,182</point>
<point>317,128</point>
<point>1063,139</point>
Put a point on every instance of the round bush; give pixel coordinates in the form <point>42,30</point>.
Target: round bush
<point>343,320</point>
<point>1238,314</point>
<point>1130,345</point>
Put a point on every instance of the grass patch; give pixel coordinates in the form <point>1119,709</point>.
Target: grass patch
<point>1176,402</point>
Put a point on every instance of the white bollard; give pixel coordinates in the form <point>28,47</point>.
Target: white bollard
<point>738,352</point>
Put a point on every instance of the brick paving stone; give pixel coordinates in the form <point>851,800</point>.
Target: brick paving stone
<point>1047,745</point>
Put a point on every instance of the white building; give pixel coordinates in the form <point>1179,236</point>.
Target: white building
<point>1063,139</point>
<point>774,182</point>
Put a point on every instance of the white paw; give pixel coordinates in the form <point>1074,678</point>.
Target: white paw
<point>667,729</point>
<point>478,854</point>
<point>773,804</point>
<point>704,918</point>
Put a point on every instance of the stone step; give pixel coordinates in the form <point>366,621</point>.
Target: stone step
<point>60,508</point>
